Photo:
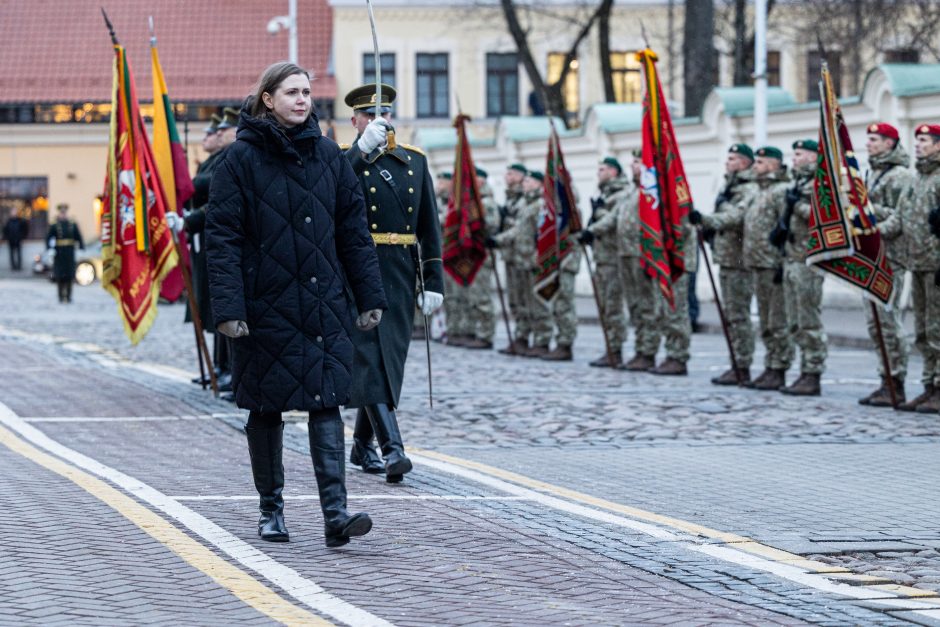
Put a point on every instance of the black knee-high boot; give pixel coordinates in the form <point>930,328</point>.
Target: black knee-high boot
<point>328,452</point>
<point>385,425</point>
<point>363,454</point>
<point>266,445</point>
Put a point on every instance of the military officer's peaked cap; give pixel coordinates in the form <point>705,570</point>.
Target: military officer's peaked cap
<point>928,129</point>
<point>742,149</point>
<point>229,118</point>
<point>770,152</point>
<point>538,176</point>
<point>482,173</point>
<point>445,175</point>
<point>213,127</point>
<point>613,163</point>
<point>806,144</point>
<point>363,98</point>
<point>885,130</point>
<point>518,167</point>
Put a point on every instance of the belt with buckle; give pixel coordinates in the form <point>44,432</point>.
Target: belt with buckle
<point>394,239</point>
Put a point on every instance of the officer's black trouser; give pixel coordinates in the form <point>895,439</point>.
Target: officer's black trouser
<point>16,256</point>
<point>65,291</point>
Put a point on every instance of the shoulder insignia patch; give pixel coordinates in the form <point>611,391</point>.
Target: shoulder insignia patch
<point>412,149</point>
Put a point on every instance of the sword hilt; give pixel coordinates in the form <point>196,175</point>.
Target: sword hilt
<point>390,138</point>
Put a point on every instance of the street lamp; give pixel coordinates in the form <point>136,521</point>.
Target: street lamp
<point>288,22</point>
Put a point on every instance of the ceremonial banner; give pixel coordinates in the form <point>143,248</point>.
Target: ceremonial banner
<point>844,240</point>
<point>170,158</point>
<point>136,247</point>
<point>464,249</point>
<point>558,219</point>
<point>664,195</point>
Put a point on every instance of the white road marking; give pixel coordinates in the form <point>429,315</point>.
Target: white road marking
<point>288,579</point>
<point>357,497</point>
<point>115,418</point>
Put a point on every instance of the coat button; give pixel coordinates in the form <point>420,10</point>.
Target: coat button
<point>411,190</point>
<point>410,173</point>
<point>374,208</point>
<point>319,338</point>
<point>410,209</point>
<point>375,226</point>
<point>372,189</point>
<point>366,173</point>
<point>299,162</point>
<point>408,227</point>
<point>317,398</point>
<point>307,219</point>
<point>313,279</point>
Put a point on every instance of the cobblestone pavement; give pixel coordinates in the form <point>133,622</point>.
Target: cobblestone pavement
<point>821,478</point>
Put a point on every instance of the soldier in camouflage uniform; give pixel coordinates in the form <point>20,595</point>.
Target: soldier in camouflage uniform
<point>518,244</point>
<point>802,286</point>
<point>920,210</point>
<point>601,234</point>
<point>725,227</point>
<point>481,315</point>
<point>766,263</point>
<point>515,275</point>
<point>886,180</point>
<point>638,288</point>
<point>564,314</point>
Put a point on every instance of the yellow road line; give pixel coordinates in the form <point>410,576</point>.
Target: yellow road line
<point>235,580</point>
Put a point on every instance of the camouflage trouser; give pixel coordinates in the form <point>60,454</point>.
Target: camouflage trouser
<point>676,326</point>
<point>771,308</point>
<point>891,329</point>
<point>564,313</point>
<point>457,308</point>
<point>531,315</point>
<point>640,294</point>
<point>926,303</point>
<point>610,295</point>
<point>482,314</point>
<point>803,296</point>
<point>737,289</point>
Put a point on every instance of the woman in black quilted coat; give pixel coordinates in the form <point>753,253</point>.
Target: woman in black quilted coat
<point>290,261</point>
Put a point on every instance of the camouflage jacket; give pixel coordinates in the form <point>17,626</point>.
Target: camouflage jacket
<point>442,200</point>
<point>760,218</point>
<point>921,197</point>
<point>491,209</point>
<point>804,179</point>
<point>628,223</point>
<point>517,243</point>
<point>607,246</point>
<point>887,179</point>
<point>728,219</point>
<point>515,199</point>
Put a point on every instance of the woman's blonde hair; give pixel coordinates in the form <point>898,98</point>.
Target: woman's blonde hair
<point>271,78</point>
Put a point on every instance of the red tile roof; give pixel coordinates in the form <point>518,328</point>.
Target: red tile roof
<point>210,50</point>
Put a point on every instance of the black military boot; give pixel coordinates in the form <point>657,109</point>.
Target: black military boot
<point>884,398</point>
<point>327,450</point>
<point>363,454</point>
<point>265,446</point>
<point>385,425</point>
<point>733,377</point>
<point>912,404</point>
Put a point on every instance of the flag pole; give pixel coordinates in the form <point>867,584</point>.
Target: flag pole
<point>721,311</point>
<point>889,378</point>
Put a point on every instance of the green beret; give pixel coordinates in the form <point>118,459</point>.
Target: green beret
<point>613,163</point>
<point>538,176</point>
<point>482,173</point>
<point>518,167</point>
<point>445,175</point>
<point>637,152</point>
<point>742,149</point>
<point>771,152</point>
<point>806,144</point>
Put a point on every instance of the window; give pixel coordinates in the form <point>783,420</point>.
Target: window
<point>502,84</point>
<point>569,91</point>
<point>625,71</point>
<point>433,89</point>
<point>902,55</point>
<point>387,59</point>
<point>814,72</point>
<point>773,68</point>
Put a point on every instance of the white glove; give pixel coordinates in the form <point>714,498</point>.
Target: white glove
<point>233,328</point>
<point>429,302</point>
<point>369,319</point>
<point>374,136</point>
<point>174,221</point>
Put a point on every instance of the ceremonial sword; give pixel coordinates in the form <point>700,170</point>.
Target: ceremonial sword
<point>390,137</point>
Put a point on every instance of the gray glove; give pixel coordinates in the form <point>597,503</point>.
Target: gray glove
<point>369,319</point>
<point>233,328</point>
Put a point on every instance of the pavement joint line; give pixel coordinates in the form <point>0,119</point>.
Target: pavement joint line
<point>358,497</point>
<point>733,548</point>
<point>289,580</point>
<point>238,582</point>
<point>35,419</point>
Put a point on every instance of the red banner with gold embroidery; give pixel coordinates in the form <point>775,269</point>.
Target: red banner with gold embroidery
<point>464,250</point>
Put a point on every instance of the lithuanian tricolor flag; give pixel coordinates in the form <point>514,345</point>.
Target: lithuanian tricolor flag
<point>136,246</point>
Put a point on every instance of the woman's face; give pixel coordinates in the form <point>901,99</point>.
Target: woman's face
<point>290,103</point>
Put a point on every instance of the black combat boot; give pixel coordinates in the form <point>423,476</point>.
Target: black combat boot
<point>265,446</point>
<point>327,449</point>
<point>385,425</point>
<point>363,454</point>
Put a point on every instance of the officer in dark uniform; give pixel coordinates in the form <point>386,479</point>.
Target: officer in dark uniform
<point>401,211</point>
<point>195,224</point>
<point>64,236</point>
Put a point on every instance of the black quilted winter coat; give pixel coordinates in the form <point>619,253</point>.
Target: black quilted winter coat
<point>288,249</point>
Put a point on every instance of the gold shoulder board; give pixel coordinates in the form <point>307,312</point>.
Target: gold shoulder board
<point>413,149</point>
